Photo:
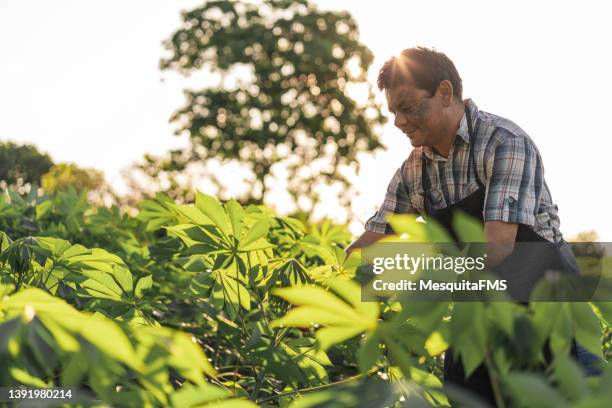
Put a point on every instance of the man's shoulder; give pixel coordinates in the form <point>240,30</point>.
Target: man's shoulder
<point>497,130</point>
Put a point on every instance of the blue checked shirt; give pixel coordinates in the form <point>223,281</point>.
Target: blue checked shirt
<point>507,162</point>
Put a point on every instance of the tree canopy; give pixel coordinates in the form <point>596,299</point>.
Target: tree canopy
<point>64,175</point>
<point>284,97</point>
<point>22,164</point>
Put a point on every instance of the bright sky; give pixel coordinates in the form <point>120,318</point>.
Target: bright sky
<point>80,80</point>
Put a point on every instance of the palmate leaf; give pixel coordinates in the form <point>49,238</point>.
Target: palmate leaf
<point>204,238</point>
<point>309,359</point>
<point>157,212</point>
<point>339,310</point>
<point>225,287</point>
<point>339,265</point>
<point>296,362</point>
<point>288,273</point>
<point>98,272</point>
<point>161,348</point>
<point>93,348</point>
<point>66,324</point>
<point>560,321</point>
<point>327,233</point>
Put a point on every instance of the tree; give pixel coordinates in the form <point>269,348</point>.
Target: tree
<point>66,176</point>
<point>285,72</point>
<point>22,164</point>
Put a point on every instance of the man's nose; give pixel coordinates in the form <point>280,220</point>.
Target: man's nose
<point>400,120</point>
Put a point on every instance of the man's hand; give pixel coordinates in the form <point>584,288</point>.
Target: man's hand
<point>364,240</point>
<point>500,241</point>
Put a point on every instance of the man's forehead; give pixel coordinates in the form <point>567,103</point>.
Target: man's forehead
<point>399,93</point>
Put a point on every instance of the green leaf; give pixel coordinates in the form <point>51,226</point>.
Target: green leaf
<point>545,315</point>
<point>188,359</point>
<point>97,330</point>
<point>144,283</point>
<point>370,351</point>
<point>191,214</point>
<point>191,395</point>
<point>531,391</point>
<point>331,335</point>
<point>399,356</point>
<point>318,298</point>
<point>310,360</point>
<point>23,377</point>
<point>501,315</point>
<point>236,214</point>
<point>214,210</point>
<point>571,380</point>
<point>257,231</point>
<point>426,316</point>
<point>435,344</point>
<point>408,224</point>
<point>469,334</point>
<point>344,316</point>
<point>74,370</point>
<point>562,333</point>
<point>431,383</point>
<point>468,228</point>
<point>587,326</point>
<point>232,403</point>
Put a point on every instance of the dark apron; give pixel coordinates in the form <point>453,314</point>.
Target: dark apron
<point>533,263</point>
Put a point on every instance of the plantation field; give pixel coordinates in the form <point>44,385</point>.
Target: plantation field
<point>218,305</point>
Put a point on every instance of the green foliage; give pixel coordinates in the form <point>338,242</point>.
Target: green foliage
<point>218,305</point>
<point>22,164</point>
<point>293,66</point>
<point>62,176</point>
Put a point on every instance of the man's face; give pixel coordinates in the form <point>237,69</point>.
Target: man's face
<point>418,114</point>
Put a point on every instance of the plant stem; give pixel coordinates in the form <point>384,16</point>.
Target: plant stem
<point>499,399</point>
<point>318,387</point>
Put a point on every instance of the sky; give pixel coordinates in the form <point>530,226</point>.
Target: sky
<point>80,79</point>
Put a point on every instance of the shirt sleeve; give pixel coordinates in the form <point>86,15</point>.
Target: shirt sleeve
<point>515,183</point>
<point>396,201</point>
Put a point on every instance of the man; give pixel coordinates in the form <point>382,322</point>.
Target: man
<point>465,159</point>
<point>424,93</point>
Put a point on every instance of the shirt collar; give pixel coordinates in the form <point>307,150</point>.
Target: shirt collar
<point>462,131</point>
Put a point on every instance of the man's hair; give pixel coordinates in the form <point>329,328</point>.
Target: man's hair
<point>427,66</point>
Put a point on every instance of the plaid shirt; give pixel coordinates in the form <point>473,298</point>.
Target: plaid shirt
<point>507,162</point>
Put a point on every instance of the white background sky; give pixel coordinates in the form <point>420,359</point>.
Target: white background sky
<point>80,79</point>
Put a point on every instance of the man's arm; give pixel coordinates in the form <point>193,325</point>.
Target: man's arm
<point>514,185</point>
<point>500,241</point>
<point>367,238</point>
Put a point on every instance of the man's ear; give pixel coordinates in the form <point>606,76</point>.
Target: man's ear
<point>446,91</point>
